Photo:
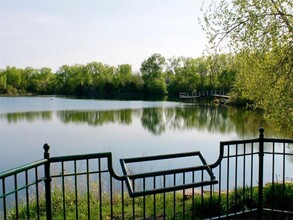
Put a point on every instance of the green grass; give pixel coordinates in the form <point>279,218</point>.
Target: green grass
<point>195,207</point>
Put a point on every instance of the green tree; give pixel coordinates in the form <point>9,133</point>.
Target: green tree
<point>46,79</point>
<point>173,67</point>
<point>186,78</point>
<point>13,76</point>
<point>39,81</point>
<point>102,77</point>
<point>74,80</point>
<point>152,71</point>
<point>203,72</point>
<point>27,80</point>
<point>221,71</point>
<point>83,81</point>
<point>260,35</point>
<point>3,82</point>
<point>65,80</point>
<point>122,77</point>
<point>136,84</point>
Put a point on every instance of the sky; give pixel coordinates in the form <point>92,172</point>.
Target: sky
<point>51,33</point>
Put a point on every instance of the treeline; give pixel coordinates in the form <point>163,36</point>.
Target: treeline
<point>157,76</point>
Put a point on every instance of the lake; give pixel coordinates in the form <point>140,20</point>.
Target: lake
<point>125,128</point>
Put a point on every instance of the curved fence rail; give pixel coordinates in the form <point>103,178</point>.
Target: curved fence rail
<point>251,179</point>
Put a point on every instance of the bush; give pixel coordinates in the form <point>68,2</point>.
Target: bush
<point>279,196</point>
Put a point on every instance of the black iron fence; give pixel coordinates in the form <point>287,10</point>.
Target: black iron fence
<point>251,179</point>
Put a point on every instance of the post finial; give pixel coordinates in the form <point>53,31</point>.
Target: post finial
<point>46,148</point>
<point>261,131</point>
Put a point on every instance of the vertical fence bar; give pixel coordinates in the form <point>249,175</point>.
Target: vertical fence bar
<point>37,192</point>
<point>88,189</point>
<point>164,212</point>
<point>47,183</point>
<point>174,197</point>
<point>273,174</point>
<point>4,199</point>
<point>63,191</point>
<point>211,196</point>
<point>111,197</point>
<point>100,188</point>
<point>144,203</point>
<point>122,199</point>
<point>260,172</point>
<point>154,198</point>
<point>27,196</point>
<point>133,200</point>
<point>183,197</point>
<point>220,187</point>
<point>16,196</point>
<point>227,187</point>
<point>236,174</point>
<point>192,207</point>
<point>202,200</point>
<point>243,176</point>
<point>251,171</point>
<point>75,191</point>
<point>284,175</point>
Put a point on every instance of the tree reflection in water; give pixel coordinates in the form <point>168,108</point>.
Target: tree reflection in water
<point>214,119</point>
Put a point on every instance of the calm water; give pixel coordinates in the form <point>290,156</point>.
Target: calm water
<point>126,128</point>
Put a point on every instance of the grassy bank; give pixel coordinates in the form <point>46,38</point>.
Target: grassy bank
<point>191,206</point>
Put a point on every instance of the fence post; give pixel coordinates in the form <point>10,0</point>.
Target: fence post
<point>260,174</point>
<point>47,183</point>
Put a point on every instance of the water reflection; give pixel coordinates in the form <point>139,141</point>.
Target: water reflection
<point>28,116</point>
<point>96,118</point>
<point>157,120</point>
<point>153,120</point>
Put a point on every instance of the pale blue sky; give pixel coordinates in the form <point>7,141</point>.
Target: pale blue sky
<point>50,33</point>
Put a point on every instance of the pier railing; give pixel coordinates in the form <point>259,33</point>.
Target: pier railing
<point>203,93</point>
<point>251,178</point>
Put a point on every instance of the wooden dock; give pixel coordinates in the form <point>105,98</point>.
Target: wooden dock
<point>184,95</point>
<point>192,96</point>
<point>221,96</point>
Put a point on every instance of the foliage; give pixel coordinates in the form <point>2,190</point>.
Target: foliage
<point>245,198</point>
<point>152,74</point>
<point>260,35</point>
<point>268,87</point>
<point>249,25</point>
<point>157,76</point>
<point>186,77</point>
<point>276,196</point>
<point>279,196</point>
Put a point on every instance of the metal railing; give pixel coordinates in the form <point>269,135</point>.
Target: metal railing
<point>251,178</point>
<point>203,93</point>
